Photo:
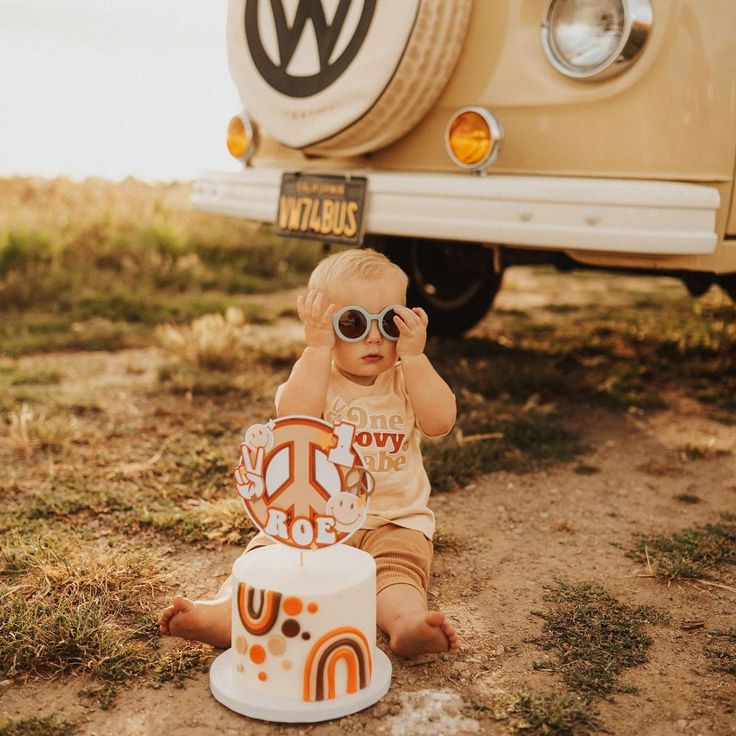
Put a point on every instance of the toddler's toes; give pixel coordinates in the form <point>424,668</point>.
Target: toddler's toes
<point>179,604</point>
<point>452,637</point>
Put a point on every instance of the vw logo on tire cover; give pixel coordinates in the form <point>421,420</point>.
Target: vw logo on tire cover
<point>325,73</point>
<point>326,35</point>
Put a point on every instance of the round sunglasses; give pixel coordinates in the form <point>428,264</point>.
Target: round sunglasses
<point>353,323</point>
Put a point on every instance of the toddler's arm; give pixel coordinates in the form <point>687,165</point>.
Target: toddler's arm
<point>432,399</point>
<point>305,391</point>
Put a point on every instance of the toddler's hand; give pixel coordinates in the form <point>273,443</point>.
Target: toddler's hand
<point>317,320</point>
<point>412,324</point>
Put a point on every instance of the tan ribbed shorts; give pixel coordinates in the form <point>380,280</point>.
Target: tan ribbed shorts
<point>401,555</point>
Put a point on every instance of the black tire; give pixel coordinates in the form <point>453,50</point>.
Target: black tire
<point>728,284</point>
<point>453,282</point>
<point>697,283</point>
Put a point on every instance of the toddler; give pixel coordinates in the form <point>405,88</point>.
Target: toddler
<point>364,363</point>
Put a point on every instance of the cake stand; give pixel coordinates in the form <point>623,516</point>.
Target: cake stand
<point>231,694</point>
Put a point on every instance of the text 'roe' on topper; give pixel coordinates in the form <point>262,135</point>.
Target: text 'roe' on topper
<point>303,481</point>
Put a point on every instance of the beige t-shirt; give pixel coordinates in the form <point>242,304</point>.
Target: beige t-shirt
<point>389,439</point>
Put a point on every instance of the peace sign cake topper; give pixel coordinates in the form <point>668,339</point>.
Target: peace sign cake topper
<point>303,481</point>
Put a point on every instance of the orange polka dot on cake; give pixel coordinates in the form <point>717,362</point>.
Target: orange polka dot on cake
<point>257,654</point>
<point>312,608</point>
<point>293,606</point>
<point>241,645</point>
<point>277,645</point>
<point>287,664</point>
<point>262,676</point>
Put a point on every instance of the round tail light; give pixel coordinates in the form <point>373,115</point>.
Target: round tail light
<point>240,138</point>
<point>473,138</point>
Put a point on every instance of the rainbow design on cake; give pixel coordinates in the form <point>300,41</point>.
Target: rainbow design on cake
<point>308,631</point>
<point>304,607</point>
<point>346,644</point>
<point>258,609</point>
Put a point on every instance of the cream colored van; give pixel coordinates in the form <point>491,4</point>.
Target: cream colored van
<point>464,136</point>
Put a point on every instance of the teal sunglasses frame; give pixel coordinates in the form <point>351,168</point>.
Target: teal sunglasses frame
<point>369,318</point>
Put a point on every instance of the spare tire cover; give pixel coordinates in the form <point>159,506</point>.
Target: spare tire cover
<point>342,77</point>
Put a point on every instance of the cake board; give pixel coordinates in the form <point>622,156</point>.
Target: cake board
<point>231,694</point>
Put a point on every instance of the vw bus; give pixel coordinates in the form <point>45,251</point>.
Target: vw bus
<point>463,136</point>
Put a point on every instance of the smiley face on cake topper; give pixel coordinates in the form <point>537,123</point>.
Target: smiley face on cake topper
<point>248,475</point>
<point>303,481</point>
<point>349,507</point>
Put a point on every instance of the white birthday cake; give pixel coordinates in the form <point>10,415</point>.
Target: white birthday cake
<point>304,608</point>
<point>304,631</point>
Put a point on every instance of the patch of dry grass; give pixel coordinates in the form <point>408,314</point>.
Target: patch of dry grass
<point>30,430</point>
<point>213,341</point>
<point>721,650</point>
<point>619,358</point>
<point>222,521</point>
<point>691,553</point>
<point>556,714</point>
<point>73,606</point>
<point>218,355</point>
<point>97,265</point>
<point>182,661</point>
<point>488,440</point>
<point>48,726</point>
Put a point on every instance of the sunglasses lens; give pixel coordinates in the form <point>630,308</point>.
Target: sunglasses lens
<point>352,324</point>
<point>389,326</point>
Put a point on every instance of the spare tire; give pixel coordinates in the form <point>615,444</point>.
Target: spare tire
<point>335,77</point>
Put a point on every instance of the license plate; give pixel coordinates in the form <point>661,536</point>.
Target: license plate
<point>320,207</point>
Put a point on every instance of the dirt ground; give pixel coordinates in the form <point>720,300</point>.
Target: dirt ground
<point>512,535</point>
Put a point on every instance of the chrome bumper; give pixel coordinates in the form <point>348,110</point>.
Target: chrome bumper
<point>614,215</point>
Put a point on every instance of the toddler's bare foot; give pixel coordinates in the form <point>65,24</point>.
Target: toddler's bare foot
<point>429,632</point>
<point>205,621</point>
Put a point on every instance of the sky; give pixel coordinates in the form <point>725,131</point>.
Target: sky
<point>114,88</point>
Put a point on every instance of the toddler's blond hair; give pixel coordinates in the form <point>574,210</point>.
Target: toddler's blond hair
<point>363,263</point>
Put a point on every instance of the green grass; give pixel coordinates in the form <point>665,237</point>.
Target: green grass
<point>594,637</point>
<point>721,650</point>
<point>70,605</point>
<point>617,358</point>
<point>48,726</point>
<point>697,552</point>
<point>521,445</point>
<point>204,522</point>
<point>103,282</point>
<point>257,383</point>
<point>187,497</point>
<point>556,714</point>
<point>35,331</point>
<point>688,498</point>
<point>36,378</point>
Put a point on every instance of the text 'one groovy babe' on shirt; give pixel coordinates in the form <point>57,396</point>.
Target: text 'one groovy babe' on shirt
<point>388,438</point>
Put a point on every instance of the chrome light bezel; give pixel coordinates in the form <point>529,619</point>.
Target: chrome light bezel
<point>638,22</point>
<point>496,133</point>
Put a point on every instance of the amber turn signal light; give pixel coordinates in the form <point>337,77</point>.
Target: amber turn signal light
<point>473,138</point>
<point>240,138</point>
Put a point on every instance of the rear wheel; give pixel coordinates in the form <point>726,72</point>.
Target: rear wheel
<point>728,283</point>
<point>453,282</point>
<point>697,283</point>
